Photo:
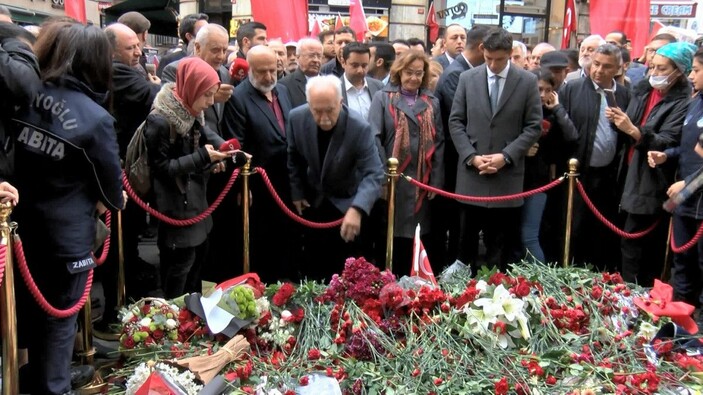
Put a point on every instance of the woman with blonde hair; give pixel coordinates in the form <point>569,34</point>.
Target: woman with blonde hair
<point>406,120</point>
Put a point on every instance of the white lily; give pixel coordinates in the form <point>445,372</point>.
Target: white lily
<point>494,306</point>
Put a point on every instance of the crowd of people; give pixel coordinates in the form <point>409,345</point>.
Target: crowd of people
<point>478,114</point>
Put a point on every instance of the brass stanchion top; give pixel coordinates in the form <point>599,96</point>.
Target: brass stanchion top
<point>5,211</point>
<point>392,165</point>
<point>573,165</point>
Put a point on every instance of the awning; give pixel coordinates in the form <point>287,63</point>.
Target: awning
<point>161,13</point>
<point>25,16</point>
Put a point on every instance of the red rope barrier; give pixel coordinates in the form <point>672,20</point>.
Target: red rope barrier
<point>687,246</point>
<point>3,259</point>
<point>609,224</point>
<point>485,199</point>
<point>106,245</point>
<point>36,293</point>
<point>291,214</point>
<point>179,222</point>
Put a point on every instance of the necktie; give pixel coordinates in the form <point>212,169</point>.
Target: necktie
<point>495,93</point>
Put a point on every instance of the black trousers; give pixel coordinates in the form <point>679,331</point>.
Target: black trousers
<point>325,252</point>
<point>501,235</point>
<point>180,269</point>
<point>643,258</point>
<point>49,340</point>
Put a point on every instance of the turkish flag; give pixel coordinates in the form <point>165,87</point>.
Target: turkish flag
<point>285,19</point>
<point>569,23</point>
<point>76,10</point>
<point>315,31</point>
<point>432,24</point>
<point>357,19</point>
<point>421,263</point>
<point>629,16</point>
<point>338,23</point>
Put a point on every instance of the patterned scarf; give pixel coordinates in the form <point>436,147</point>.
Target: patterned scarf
<point>426,145</point>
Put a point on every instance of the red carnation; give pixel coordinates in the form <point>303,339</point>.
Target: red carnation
<point>501,386</point>
<point>283,295</point>
<point>128,342</point>
<point>158,334</point>
<point>313,354</point>
<point>304,380</point>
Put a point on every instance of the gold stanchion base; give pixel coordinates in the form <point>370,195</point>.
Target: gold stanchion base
<point>97,386</point>
<point>108,336</point>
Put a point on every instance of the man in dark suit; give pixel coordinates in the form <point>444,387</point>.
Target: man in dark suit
<point>187,30</point>
<point>342,37</point>
<point>496,117</point>
<point>309,55</point>
<point>335,172</point>
<point>599,150</point>
<point>382,57</point>
<point>257,115</point>
<point>454,41</point>
<point>444,247</point>
<point>357,88</point>
<point>210,45</point>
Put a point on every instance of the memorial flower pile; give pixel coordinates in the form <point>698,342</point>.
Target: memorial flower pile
<point>536,329</point>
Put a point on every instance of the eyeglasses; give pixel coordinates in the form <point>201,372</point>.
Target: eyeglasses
<point>416,73</point>
<point>312,55</point>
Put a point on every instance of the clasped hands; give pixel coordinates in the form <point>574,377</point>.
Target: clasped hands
<point>488,164</point>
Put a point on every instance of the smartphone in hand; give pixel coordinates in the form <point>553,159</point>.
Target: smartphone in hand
<point>610,98</point>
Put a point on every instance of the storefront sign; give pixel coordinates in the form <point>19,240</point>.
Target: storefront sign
<point>455,12</point>
<point>676,10</point>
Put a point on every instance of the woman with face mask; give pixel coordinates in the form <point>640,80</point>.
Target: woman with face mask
<point>687,216</point>
<point>653,122</point>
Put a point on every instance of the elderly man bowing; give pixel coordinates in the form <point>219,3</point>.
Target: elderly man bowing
<point>335,171</point>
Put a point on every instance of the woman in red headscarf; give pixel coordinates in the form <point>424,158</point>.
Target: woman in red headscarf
<point>182,154</point>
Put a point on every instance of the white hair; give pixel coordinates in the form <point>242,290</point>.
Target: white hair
<point>598,37</point>
<point>306,41</point>
<point>205,31</point>
<point>324,81</point>
<point>522,46</point>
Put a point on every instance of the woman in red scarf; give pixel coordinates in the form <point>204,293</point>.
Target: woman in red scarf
<point>406,120</point>
<point>182,154</point>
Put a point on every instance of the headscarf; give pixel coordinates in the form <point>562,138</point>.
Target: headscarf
<point>681,53</point>
<point>194,77</point>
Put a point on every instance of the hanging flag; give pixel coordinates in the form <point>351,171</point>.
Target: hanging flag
<point>339,23</point>
<point>357,19</point>
<point>569,23</point>
<point>76,10</point>
<point>315,31</point>
<point>656,26</point>
<point>421,263</point>
<point>285,19</point>
<point>629,16</point>
<point>432,24</point>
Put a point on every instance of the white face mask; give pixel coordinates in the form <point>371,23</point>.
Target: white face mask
<point>659,81</point>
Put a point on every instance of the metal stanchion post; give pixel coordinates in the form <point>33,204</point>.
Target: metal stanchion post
<point>246,172</point>
<point>86,328</point>
<point>666,271</point>
<point>8,313</point>
<point>121,287</point>
<point>573,173</point>
<point>392,179</point>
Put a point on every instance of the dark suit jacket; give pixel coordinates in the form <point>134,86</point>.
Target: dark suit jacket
<point>374,86</point>
<point>446,87</point>
<point>512,130</point>
<point>442,59</point>
<point>332,67</point>
<point>213,114</point>
<point>295,82</point>
<point>351,174</point>
<point>248,116</point>
<point>582,103</point>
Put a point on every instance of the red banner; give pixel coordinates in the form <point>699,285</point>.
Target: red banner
<point>357,19</point>
<point>569,23</point>
<point>432,24</point>
<point>76,10</point>
<point>285,19</point>
<point>629,16</point>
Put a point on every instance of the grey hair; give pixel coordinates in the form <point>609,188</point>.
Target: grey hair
<point>322,82</point>
<point>204,32</point>
<point>611,50</point>
<point>598,37</point>
<point>306,41</point>
<point>522,46</point>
